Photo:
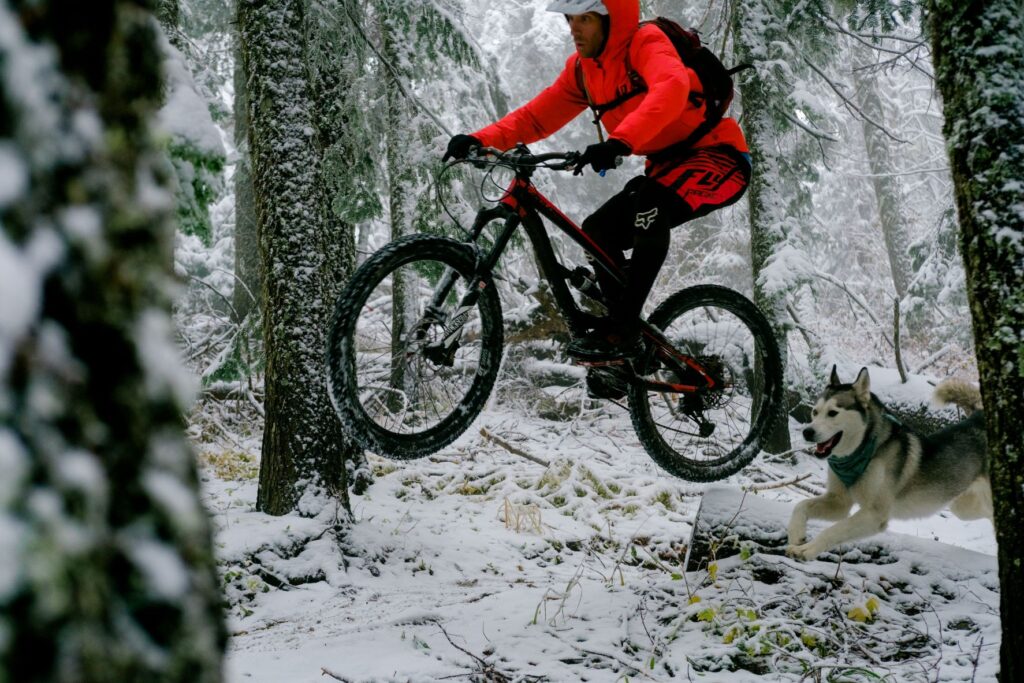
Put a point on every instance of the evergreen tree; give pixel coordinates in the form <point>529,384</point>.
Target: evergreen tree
<point>979,67</point>
<point>302,444</point>
<point>776,36</point>
<point>106,563</point>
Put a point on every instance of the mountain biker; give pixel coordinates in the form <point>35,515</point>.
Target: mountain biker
<point>679,185</point>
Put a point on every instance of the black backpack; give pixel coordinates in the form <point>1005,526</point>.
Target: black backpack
<point>715,80</point>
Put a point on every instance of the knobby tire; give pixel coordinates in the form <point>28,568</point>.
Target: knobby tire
<point>765,391</point>
<point>342,351</point>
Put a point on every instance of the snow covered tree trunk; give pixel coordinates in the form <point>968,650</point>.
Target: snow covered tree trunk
<point>302,456</point>
<point>888,190</point>
<point>979,59</point>
<point>247,253</point>
<point>766,204</point>
<point>331,63</point>
<point>106,564</point>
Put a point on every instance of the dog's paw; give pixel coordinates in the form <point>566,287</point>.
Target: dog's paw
<point>805,551</point>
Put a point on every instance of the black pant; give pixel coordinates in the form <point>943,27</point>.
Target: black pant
<point>642,215</point>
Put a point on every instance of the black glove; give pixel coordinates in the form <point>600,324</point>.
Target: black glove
<point>458,146</point>
<point>602,156</point>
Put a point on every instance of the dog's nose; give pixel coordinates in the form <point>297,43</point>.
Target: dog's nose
<point>809,434</point>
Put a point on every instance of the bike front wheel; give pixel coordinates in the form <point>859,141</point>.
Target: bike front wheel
<point>398,389</point>
<point>709,434</point>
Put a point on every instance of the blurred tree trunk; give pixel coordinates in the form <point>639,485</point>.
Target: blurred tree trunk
<point>248,280</point>
<point>979,64</point>
<point>105,549</point>
<point>302,445</point>
<point>888,189</point>
<point>765,199</point>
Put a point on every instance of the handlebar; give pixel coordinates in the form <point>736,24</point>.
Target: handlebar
<point>520,157</point>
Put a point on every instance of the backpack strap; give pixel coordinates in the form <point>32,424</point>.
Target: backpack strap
<point>635,79</point>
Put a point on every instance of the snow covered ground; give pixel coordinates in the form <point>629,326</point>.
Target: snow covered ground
<point>479,564</point>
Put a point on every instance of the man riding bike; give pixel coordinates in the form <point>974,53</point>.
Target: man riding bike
<point>684,179</point>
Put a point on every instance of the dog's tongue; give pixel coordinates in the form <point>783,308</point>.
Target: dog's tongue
<point>826,446</point>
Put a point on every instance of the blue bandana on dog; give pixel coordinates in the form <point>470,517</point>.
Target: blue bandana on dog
<point>850,468</point>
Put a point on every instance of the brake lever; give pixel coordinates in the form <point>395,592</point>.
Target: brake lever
<point>475,158</point>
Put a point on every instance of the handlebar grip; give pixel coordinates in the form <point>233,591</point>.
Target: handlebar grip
<point>618,162</point>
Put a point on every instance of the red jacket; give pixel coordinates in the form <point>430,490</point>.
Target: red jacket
<point>647,123</point>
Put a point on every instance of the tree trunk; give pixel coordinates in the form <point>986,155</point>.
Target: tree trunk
<point>766,202</point>
<point>302,448</point>
<point>979,64</point>
<point>247,253</point>
<point>400,179</point>
<point>332,67</point>
<point>888,189</point>
<point>105,551</point>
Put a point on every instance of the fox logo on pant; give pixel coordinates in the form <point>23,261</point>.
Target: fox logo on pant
<point>646,220</point>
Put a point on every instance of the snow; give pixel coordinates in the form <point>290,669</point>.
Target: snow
<point>22,269</point>
<point>19,298</point>
<point>82,471</point>
<point>185,115</point>
<point>13,175</point>
<point>568,572</point>
<point>175,498</point>
<point>161,359</point>
<point>164,573</point>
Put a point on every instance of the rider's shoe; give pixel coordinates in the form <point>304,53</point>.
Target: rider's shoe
<point>601,385</point>
<point>605,345</point>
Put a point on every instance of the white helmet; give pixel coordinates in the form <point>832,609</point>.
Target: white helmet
<point>578,7</point>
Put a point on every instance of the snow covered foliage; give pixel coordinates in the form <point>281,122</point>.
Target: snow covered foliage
<point>195,146</point>
<point>106,568</point>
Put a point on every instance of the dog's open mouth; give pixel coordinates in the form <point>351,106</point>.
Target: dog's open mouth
<point>824,449</point>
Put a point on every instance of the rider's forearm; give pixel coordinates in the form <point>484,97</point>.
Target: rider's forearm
<point>542,116</point>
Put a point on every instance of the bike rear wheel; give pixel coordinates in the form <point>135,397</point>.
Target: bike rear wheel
<point>394,389</point>
<point>709,435</point>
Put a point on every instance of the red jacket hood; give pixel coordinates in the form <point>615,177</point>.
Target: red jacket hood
<point>624,19</point>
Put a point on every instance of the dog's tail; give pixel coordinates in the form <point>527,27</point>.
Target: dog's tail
<point>960,393</point>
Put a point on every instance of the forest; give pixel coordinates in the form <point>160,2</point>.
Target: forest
<point>218,464</point>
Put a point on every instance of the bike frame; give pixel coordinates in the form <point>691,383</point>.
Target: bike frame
<point>524,205</point>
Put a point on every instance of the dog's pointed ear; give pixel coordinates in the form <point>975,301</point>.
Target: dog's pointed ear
<point>834,379</point>
<point>862,387</point>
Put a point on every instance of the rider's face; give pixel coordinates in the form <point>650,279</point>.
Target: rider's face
<point>587,33</point>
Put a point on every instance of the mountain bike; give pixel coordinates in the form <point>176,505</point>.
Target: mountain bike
<point>416,338</point>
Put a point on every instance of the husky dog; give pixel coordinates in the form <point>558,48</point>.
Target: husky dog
<point>890,471</point>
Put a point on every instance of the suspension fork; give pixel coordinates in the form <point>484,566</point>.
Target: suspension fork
<point>481,279</point>
<point>450,275</point>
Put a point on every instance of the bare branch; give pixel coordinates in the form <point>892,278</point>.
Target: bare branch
<point>849,102</point>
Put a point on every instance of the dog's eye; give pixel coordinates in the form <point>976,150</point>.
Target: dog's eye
<point>833,413</point>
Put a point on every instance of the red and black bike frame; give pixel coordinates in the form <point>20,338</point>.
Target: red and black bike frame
<point>524,205</point>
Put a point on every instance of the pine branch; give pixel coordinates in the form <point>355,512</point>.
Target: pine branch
<point>396,75</point>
